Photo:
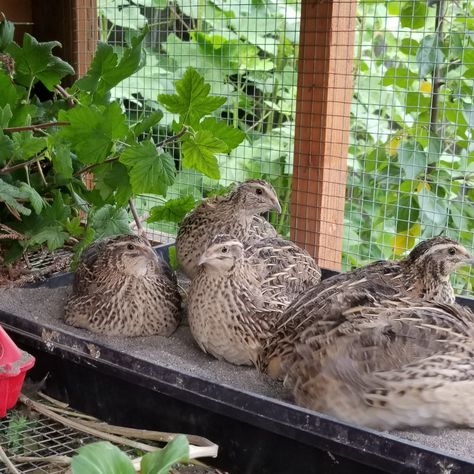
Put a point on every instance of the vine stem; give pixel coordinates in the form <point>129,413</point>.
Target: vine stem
<point>36,126</point>
<point>20,165</point>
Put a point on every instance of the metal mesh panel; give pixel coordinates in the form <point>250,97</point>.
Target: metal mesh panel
<point>368,132</point>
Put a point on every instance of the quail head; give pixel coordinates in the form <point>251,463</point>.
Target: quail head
<point>122,287</point>
<point>236,214</point>
<point>424,273</point>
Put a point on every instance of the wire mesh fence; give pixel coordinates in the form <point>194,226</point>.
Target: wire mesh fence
<point>360,114</point>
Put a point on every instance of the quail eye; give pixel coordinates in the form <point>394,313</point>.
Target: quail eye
<point>259,191</point>
<point>130,246</point>
<point>224,250</point>
<point>452,251</point>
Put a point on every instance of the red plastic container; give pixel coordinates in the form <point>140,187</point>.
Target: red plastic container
<point>13,366</point>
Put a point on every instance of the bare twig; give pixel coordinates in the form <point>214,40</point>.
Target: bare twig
<point>61,460</point>
<point>7,462</point>
<point>140,230</point>
<point>71,100</point>
<point>19,166</point>
<point>93,165</point>
<point>36,126</point>
<point>10,233</point>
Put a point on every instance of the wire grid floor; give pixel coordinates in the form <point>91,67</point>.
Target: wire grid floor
<point>24,433</point>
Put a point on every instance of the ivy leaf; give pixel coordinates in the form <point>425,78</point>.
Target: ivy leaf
<point>54,236</point>
<point>7,30</point>
<point>173,210</point>
<point>9,195</point>
<point>231,136</point>
<point>150,171</point>
<point>35,199</point>
<point>412,159</point>
<point>101,457</point>
<point>413,15</point>
<point>429,54</point>
<point>192,100</point>
<point>34,60</point>
<point>199,153</point>
<point>159,462</point>
<point>9,92</point>
<point>110,220</point>
<point>93,130</point>
<point>106,71</point>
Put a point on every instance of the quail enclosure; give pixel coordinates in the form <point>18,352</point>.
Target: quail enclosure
<point>266,153</point>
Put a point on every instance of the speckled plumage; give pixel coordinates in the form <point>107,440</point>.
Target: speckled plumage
<point>401,363</point>
<point>424,273</point>
<point>237,292</point>
<point>121,287</point>
<point>236,214</point>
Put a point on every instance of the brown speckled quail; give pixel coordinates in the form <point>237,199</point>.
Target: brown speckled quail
<point>236,214</point>
<point>121,287</point>
<point>424,273</point>
<point>400,363</point>
<point>237,292</point>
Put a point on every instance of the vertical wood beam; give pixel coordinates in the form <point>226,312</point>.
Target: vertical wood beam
<point>323,105</point>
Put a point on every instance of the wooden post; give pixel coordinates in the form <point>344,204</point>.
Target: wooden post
<point>325,72</point>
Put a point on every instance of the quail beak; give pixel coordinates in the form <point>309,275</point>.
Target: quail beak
<point>469,260</point>
<point>277,206</point>
<point>202,260</point>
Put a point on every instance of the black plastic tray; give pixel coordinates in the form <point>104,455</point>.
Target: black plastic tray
<point>256,434</point>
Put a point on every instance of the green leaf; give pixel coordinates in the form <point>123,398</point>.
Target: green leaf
<point>25,145</point>
<point>8,95</point>
<point>114,181</point>
<point>93,130</point>
<point>231,136</point>
<point>62,161</point>
<point>409,46</point>
<point>74,226</point>
<point>106,71</point>
<point>56,212</point>
<point>7,30</point>
<point>412,159</point>
<point>6,148</point>
<point>101,458</point>
<point>400,76</point>
<point>468,112</point>
<point>192,101</point>
<point>54,236</point>
<point>199,153</point>
<point>147,123</point>
<point>160,462</point>
<point>150,171</point>
<point>407,213</point>
<point>35,61</point>
<point>35,199</point>
<point>173,210</point>
<point>10,194</point>
<point>429,54</point>
<point>413,15</point>
<point>433,207</point>
<point>109,220</point>
<point>5,115</point>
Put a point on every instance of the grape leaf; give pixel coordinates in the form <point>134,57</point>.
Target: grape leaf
<point>25,145</point>
<point>110,220</point>
<point>9,195</point>
<point>62,161</point>
<point>93,130</point>
<point>147,123</point>
<point>6,148</point>
<point>199,153</point>
<point>192,100</point>
<point>106,71</point>
<point>34,60</point>
<point>54,236</point>
<point>231,136</point>
<point>173,210</point>
<point>150,171</point>
<point>35,199</point>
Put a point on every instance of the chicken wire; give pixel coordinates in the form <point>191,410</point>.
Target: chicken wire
<point>375,152</point>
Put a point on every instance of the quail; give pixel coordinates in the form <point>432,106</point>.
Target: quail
<point>424,273</point>
<point>396,364</point>
<point>236,214</point>
<point>122,287</point>
<point>238,291</point>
